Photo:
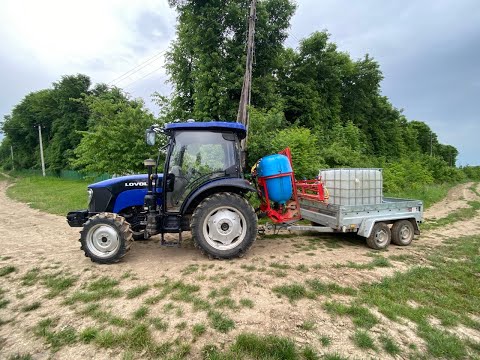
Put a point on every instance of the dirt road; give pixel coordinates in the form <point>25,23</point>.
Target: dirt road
<point>33,239</point>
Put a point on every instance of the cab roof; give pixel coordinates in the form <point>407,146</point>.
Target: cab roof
<point>221,126</point>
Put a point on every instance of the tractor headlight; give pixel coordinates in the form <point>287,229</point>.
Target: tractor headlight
<point>90,195</point>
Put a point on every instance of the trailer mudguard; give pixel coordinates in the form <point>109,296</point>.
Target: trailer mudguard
<point>235,185</point>
<point>366,226</point>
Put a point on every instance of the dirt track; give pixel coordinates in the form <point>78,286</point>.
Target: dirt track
<point>30,238</point>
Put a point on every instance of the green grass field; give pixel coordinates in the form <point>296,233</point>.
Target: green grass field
<point>429,194</point>
<point>50,194</point>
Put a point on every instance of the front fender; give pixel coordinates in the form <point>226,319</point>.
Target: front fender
<point>235,185</point>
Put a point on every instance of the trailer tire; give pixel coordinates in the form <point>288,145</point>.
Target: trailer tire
<point>380,236</point>
<point>402,233</point>
<point>106,238</point>
<point>224,226</point>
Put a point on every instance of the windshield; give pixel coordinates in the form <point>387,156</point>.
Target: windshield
<point>198,157</point>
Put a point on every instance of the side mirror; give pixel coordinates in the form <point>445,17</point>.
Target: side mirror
<point>150,137</point>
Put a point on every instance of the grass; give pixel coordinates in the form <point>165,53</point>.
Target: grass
<point>360,315</point>
<point>253,346</point>
<point>19,356</point>
<point>140,313</point>
<point>95,312</point>
<point>56,339</point>
<point>220,321</point>
<point>50,194</point>
<point>137,291</point>
<point>363,340</point>
<point>377,261</point>
<point>30,307</point>
<point>297,291</point>
<point>5,270</point>
<point>473,188</point>
<point>247,303</point>
<point>198,330</point>
<point>58,283</point>
<point>429,194</point>
<point>457,215</point>
<point>31,277</point>
<point>325,340</point>
<point>223,291</point>
<point>99,289</point>
<point>389,345</point>
<point>447,289</point>
<point>307,325</point>
<point>293,291</point>
<point>159,324</point>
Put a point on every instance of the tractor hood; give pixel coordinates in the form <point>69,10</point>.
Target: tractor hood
<point>125,182</point>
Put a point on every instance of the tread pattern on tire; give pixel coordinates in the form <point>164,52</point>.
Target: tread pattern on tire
<point>395,228</point>
<point>250,218</point>
<point>125,232</point>
<point>371,239</point>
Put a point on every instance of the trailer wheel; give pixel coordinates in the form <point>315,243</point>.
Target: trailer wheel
<point>224,226</point>
<point>106,238</point>
<point>402,233</point>
<point>380,237</point>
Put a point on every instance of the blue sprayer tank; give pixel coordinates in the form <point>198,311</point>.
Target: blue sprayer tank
<point>279,188</point>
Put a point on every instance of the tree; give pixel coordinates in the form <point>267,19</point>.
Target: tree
<point>116,142</point>
<point>206,61</point>
<point>69,117</point>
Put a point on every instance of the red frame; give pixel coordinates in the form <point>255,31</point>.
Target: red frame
<point>285,213</point>
<point>311,189</point>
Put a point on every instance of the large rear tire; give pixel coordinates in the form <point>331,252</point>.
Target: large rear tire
<point>380,237</point>
<point>224,226</point>
<point>402,233</point>
<point>106,238</point>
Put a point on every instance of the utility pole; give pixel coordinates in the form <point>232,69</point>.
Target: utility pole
<point>11,152</point>
<point>41,148</point>
<point>243,116</point>
<point>431,143</point>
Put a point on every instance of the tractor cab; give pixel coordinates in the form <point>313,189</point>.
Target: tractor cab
<point>198,154</point>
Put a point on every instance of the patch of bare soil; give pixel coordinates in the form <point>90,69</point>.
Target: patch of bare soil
<point>33,239</point>
<point>456,199</point>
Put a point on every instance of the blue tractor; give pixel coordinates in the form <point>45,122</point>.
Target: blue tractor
<point>202,190</point>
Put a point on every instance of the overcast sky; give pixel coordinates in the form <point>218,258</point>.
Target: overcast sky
<point>429,51</point>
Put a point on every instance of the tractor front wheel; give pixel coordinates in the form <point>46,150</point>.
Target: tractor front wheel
<point>106,238</point>
<point>224,226</point>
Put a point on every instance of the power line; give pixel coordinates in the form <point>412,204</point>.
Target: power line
<point>143,77</point>
<point>137,68</point>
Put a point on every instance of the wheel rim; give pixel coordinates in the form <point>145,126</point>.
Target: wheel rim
<point>224,228</point>
<point>381,237</point>
<point>103,240</point>
<point>405,233</point>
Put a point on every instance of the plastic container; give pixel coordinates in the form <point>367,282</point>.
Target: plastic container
<point>279,188</point>
<point>353,186</point>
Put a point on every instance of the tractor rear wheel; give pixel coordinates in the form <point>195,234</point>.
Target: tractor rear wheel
<point>106,238</point>
<point>224,226</point>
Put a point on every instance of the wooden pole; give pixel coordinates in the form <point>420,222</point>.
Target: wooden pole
<point>243,116</point>
<point>41,149</point>
<point>11,152</point>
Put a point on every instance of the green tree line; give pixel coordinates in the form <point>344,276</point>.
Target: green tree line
<point>316,99</point>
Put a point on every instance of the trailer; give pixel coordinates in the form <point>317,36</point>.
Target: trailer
<point>393,220</point>
<point>338,200</point>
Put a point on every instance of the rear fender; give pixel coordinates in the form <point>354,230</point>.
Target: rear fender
<point>237,185</point>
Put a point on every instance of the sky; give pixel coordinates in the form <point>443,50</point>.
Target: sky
<point>428,51</point>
